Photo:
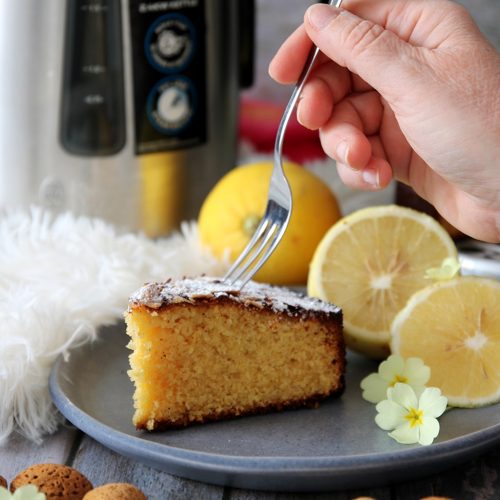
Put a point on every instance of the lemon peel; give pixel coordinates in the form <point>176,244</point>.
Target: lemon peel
<point>234,207</point>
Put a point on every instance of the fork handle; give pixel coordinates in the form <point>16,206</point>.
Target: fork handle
<point>311,58</point>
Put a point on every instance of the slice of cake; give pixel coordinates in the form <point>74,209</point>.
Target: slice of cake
<point>203,350</point>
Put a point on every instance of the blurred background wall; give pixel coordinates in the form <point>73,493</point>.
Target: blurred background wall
<point>276,19</point>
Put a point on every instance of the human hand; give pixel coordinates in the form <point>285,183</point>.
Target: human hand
<point>405,89</point>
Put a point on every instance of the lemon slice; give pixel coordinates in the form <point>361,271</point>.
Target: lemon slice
<point>370,263</point>
<point>454,327</point>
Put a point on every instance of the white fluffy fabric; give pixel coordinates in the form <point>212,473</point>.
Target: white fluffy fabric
<point>61,278</point>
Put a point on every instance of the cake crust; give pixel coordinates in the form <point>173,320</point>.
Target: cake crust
<point>262,296</point>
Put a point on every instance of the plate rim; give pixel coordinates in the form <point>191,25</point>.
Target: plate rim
<point>274,473</point>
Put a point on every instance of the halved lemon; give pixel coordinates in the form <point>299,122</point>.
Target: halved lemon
<point>454,327</point>
<point>370,263</point>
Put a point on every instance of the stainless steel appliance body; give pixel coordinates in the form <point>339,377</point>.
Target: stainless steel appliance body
<point>120,109</point>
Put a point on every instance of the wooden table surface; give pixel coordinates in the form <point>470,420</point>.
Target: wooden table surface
<point>478,479</point>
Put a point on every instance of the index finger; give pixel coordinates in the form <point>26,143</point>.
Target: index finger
<point>288,62</point>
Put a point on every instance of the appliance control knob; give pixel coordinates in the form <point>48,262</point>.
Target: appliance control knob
<point>173,105</point>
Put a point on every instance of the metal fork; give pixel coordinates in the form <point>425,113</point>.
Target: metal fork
<point>279,204</point>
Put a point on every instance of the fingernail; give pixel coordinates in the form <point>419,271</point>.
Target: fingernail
<point>319,15</point>
<point>342,151</point>
<point>370,176</point>
<point>299,116</point>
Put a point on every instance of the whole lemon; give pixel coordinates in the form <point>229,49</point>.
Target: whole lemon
<point>233,209</point>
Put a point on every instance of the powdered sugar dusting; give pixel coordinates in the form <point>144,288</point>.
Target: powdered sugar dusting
<point>156,295</point>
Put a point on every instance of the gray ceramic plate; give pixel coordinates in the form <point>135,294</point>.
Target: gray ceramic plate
<point>337,446</point>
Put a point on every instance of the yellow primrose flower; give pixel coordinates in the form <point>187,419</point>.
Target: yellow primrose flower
<point>449,268</point>
<point>411,419</point>
<point>394,369</point>
<point>26,492</point>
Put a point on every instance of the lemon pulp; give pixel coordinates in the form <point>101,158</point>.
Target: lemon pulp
<point>454,326</point>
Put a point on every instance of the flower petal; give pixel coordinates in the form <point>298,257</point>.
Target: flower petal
<point>391,367</point>
<point>28,492</point>
<point>449,268</point>
<point>390,415</point>
<point>429,430</point>
<point>417,372</point>
<point>374,388</point>
<point>404,395</point>
<point>5,494</point>
<point>419,389</point>
<point>405,434</point>
<point>432,402</point>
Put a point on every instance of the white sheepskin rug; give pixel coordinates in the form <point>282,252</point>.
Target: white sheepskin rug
<point>61,278</point>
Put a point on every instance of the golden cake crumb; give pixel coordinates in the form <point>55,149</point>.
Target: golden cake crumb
<point>204,351</point>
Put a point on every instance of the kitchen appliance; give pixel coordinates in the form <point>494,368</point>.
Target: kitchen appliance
<point>120,109</point>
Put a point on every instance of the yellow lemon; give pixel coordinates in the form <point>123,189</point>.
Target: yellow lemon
<point>233,209</point>
<point>454,327</point>
<point>370,263</point>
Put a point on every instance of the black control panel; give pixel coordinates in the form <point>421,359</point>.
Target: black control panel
<point>169,74</point>
<point>93,104</point>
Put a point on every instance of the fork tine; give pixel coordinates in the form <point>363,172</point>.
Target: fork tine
<point>255,252</point>
<point>261,228</point>
<point>245,278</point>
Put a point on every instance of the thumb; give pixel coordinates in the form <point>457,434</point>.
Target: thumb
<point>377,55</point>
